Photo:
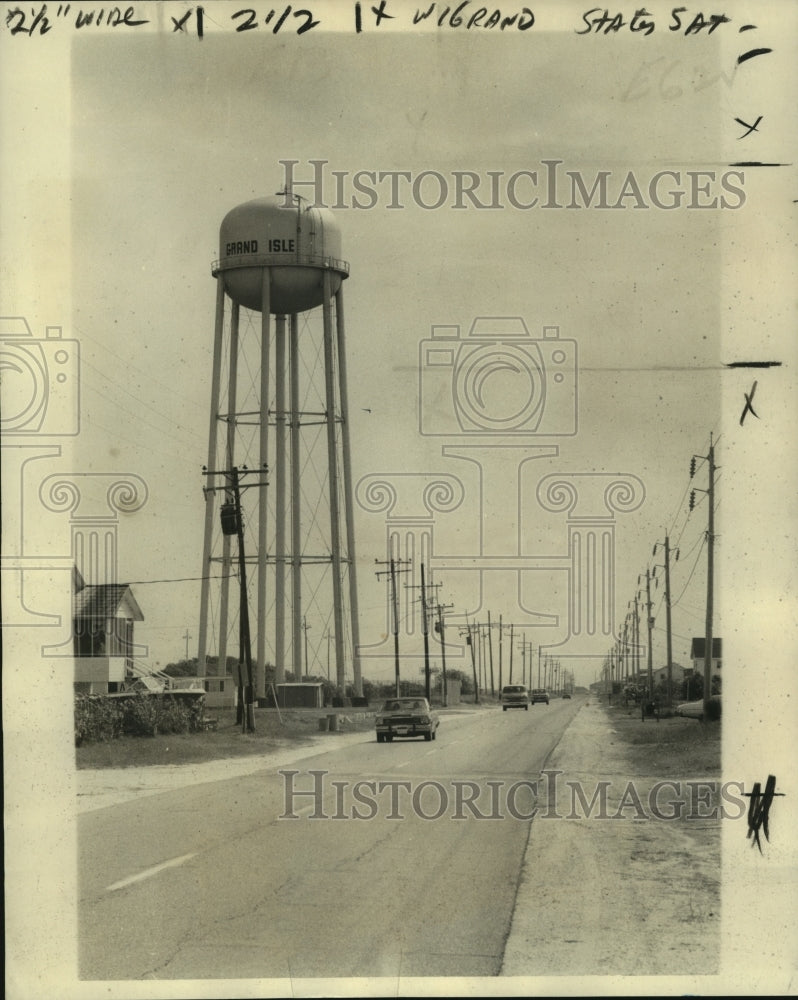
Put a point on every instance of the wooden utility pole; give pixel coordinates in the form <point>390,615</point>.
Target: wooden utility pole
<point>708,639</point>
<point>501,643</point>
<point>490,657</point>
<point>650,620</point>
<point>233,524</point>
<point>391,572</point>
<point>470,642</point>
<point>425,632</point>
<point>439,627</point>
<point>668,627</point>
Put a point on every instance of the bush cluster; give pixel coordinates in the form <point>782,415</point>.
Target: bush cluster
<point>99,718</point>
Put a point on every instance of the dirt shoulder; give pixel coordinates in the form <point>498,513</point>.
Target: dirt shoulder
<point>623,869</point>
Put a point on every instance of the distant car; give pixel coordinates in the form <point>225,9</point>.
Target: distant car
<point>405,718</point>
<point>515,696</point>
<point>539,694</point>
<point>566,694</point>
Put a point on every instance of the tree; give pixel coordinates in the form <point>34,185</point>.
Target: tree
<point>183,668</point>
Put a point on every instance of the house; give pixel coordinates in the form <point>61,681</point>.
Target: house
<point>677,674</point>
<point>697,652</point>
<point>102,630</point>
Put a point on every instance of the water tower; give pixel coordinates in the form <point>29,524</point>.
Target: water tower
<point>279,402</point>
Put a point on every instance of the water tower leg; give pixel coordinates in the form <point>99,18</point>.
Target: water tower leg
<point>280,501</point>
<point>260,682</point>
<point>210,502</point>
<point>229,462</point>
<point>296,519</point>
<point>348,490</point>
<point>332,464</point>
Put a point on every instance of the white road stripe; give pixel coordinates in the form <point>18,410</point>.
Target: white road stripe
<point>148,872</point>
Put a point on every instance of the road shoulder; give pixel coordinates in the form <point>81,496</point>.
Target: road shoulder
<point>616,888</point>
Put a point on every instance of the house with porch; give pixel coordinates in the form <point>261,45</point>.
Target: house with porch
<point>102,628</point>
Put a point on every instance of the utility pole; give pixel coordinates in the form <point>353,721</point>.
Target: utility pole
<point>470,642</point>
<point>439,628</point>
<point>708,637</point>
<point>650,621</point>
<point>186,636</point>
<point>668,628</point>
<point>233,524</point>
<point>490,654</point>
<point>637,641</point>
<point>501,643</point>
<point>425,633</point>
<point>391,572</point>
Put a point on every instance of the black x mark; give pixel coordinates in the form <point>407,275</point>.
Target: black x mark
<point>751,128</point>
<point>748,404</point>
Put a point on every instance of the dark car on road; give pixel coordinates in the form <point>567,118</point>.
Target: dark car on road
<point>539,694</point>
<point>515,696</point>
<point>405,718</point>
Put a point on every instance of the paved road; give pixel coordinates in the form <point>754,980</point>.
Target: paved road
<point>216,881</point>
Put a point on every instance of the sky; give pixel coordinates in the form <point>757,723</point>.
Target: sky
<point>167,135</point>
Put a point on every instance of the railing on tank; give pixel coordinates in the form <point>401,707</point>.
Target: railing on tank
<point>279,260</point>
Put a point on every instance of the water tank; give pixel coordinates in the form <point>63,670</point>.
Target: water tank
<point>296,240</point>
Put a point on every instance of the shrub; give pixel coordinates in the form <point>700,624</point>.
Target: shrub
<point>142,714</point>
<point>99,718</point>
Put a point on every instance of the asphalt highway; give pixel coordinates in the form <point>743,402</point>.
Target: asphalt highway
<point>366,860</point>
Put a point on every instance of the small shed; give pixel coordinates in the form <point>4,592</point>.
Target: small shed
<point>308,695</point>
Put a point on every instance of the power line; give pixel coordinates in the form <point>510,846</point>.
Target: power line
<point>175,579</point>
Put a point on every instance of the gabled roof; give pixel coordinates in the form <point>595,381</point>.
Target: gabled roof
<point>698,647</point>
<point>104,601</point>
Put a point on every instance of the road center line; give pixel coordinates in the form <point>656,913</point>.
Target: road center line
<point>148,872</point>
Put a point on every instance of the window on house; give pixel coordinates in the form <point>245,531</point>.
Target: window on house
<point>90,638</point>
